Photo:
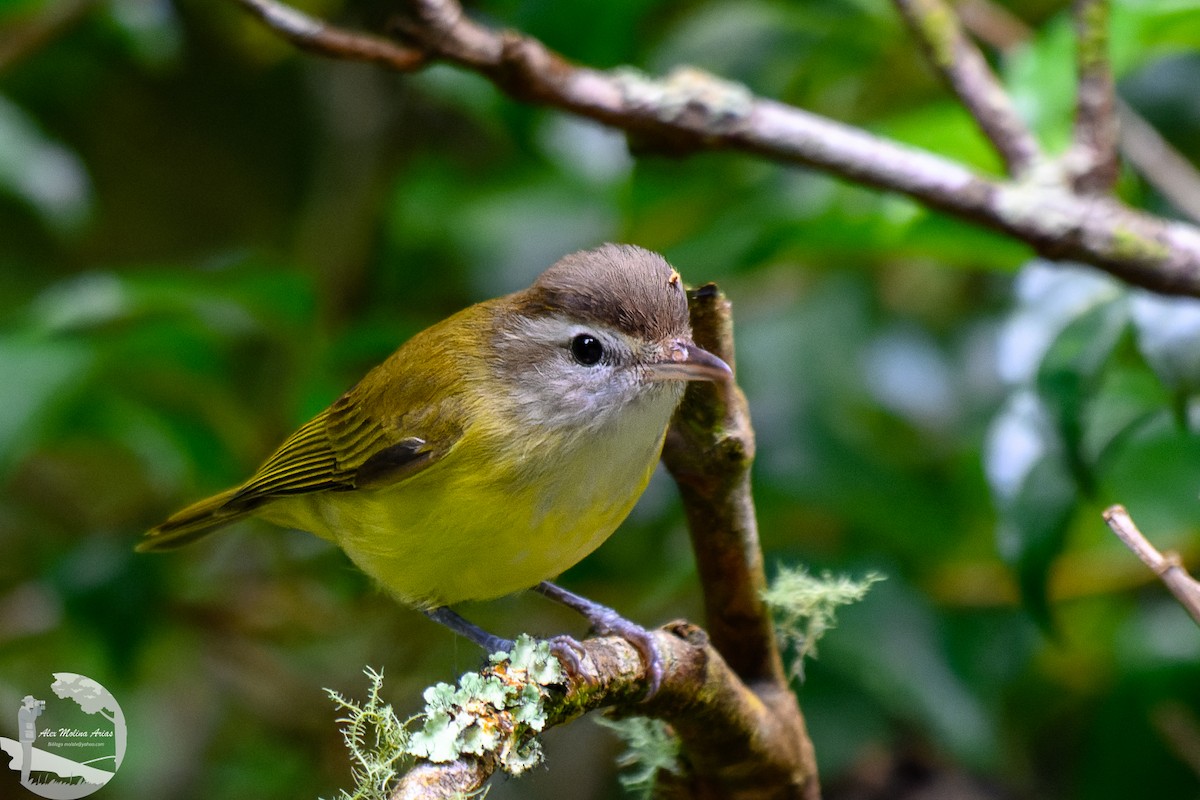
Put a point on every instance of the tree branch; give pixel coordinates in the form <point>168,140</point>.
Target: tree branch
<point>964,69</point>
<point>1163,167</point>
<point>1166,566</point>
<point>708,451</point>
<point>690,110</point>
<point>1092,157</point>
<point>735,743</point>
<point>315,36</point>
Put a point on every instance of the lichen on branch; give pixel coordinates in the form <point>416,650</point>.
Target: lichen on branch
<point>494,713</point>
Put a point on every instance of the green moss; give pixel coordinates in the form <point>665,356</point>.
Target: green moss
<point>378,741</point>
<point>650,747</point>
<point>1127,244</point>
<point>805,607</point>
<point>496,711</point>
<point>939,29</point>
<point>685,88</point>
<point>1092,33</point>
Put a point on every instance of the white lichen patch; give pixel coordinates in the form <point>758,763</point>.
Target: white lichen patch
<point>686,89</point>
<point>496,711</point>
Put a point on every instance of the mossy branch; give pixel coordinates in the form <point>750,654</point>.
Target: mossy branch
<point>491,719</point>
<point>731,743</point>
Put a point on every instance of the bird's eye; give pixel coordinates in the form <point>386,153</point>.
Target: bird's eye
<point>587,349</point>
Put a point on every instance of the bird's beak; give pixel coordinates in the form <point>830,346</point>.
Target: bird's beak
<point>683,360</point>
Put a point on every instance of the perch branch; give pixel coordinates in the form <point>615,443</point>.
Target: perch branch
<point>1166,566</point>
<point>1092,157</point>
<point>690,110</point>
<point>950,51</point>
<point>708,451</point>
<point>735,743</point>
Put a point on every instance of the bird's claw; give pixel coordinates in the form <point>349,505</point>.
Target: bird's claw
<point>642,641</point>
<point>570,655</point>
<point>605,622</point>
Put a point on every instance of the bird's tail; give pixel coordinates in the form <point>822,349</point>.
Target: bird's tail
<point>195,521</point>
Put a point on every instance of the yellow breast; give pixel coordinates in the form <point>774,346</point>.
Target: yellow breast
<point>484,521</point>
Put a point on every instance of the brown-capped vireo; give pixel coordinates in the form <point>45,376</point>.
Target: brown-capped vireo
<point>494,449</point>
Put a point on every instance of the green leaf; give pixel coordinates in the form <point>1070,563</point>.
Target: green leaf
<point>1168,337</point>
<point>241,300</point>
<point>1035,494</point>
<point>1142,31</point>
<point>944,128</point>
<point>1070,373</point>
<point>40,377</point>
<point>1083,347</point>
<point>1040,78</point>
<point>149,28</point>
<point>40,172</point>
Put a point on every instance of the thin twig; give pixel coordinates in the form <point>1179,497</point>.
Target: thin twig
<point>993,24</point>
<point>1163,167</point>
<point>959,62</point>
<point>316,36</point>
<point>1165,565</point>
<point>1092,157</point>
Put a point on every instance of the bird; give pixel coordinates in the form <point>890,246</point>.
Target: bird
<point>493,450</point>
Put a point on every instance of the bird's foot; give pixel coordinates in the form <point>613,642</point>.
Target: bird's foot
<point>605,622</point>
<point>570,655</point>
<point>569,652</point>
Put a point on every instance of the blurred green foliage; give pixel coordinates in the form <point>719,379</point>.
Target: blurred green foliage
<point>205,237</point>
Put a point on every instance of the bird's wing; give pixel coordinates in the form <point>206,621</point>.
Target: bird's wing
<point>402,417</point>
<point>373,436</point>
<point>346,447</point>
